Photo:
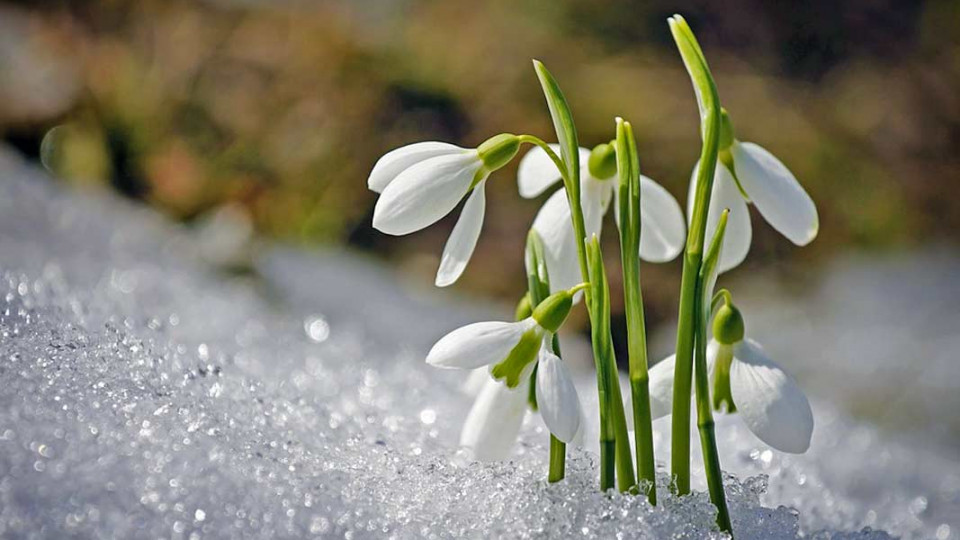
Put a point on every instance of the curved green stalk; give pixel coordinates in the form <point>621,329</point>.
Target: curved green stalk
<point>705,424</point>
<point>708,102</point>
<point>614,442</point>
<point>628,167</point>
<point>538,286</point>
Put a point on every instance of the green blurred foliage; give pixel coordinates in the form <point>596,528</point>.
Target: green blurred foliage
<point>282,108</point>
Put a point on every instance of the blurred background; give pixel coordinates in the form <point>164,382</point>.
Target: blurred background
<point>268,116</point>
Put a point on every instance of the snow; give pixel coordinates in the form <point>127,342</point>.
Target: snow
<point>144,394</point>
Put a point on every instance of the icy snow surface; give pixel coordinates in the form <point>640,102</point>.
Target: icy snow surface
<point>145,395</point>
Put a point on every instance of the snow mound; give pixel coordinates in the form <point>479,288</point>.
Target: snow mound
<point>145,395</point>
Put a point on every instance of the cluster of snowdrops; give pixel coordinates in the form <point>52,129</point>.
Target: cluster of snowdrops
<point>518,364</point>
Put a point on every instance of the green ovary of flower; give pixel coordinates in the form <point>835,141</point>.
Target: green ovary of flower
<point>552,312</point>
<point>728,327</point>
<point>602,163</point>
<point>498,150</point>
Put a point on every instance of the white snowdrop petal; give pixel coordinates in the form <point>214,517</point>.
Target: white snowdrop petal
<point>713,350</point>
<point>396,161</point>
<point>475,382</point>
<point>661,382</point>
<point>595,197</point>
<point>560,249</point>
<point>663,231</point>
<point>463,239</point>
<point>556,229</point>
<point>661,387</point>
<point>494,421</point>
<point>771,403</point>
<point>537,171</point>
<point>726,194</point>
<point>776,193</point>
<point>557,397</point>
<point>478,344</point>
<point>425,192</point>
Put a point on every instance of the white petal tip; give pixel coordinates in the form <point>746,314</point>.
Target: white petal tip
<point>557,397</point>
<point>386,226</point>
<point>810,236</point>
<point>770,402</point>
<point>448,275</point>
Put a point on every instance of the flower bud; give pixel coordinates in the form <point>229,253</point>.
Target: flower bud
<point>603,161</point>
<point>524,308</point>
<point>728,325</point>
<point>554,309</point>
<point>727,135</point>
<point>498,150</point>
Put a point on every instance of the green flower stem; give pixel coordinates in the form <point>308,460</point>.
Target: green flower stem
<point>708,102</point>
<point>628,166</point>
<point>708,441</point>
<point>722,296</point>
<point>614,442</point>
<point>538,285</point>
<point>612,419</point>
<point>626,478</point>
<point>705,424</point>
<point>558,449</point>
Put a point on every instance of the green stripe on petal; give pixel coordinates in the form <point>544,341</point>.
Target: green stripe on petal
<point>511,369</point>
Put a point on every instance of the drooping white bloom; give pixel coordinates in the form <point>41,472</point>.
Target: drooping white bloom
<point>662,229</point>
<point>557,397</point>
<point>513,349</point>
<point>482,344</point>
<point>748,173</point>
<point>494,421</point>
<point>421,183</point>
<point>768,399</point>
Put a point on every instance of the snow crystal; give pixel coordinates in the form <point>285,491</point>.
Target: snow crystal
<point>144,394</point>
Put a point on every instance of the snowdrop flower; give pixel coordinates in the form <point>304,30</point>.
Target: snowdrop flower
<point>746,381</point>
<point>746,172</point>
<point>423,182</point>
<point>512,350</point>
<point>663,230</point>
<point>493,423</point>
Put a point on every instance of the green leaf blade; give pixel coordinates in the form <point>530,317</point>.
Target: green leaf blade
<point>562,122</point>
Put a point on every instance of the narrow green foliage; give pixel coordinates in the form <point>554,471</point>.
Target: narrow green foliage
<point>601,356</point>
<point>628,168</point>
<point>614,444</point>
<point>705,423</point>
<point>538,279</point>
<point>538,285</point>
<point>562,123</point>
<point>708,271</point>
<point>708,103</point>
<point>613,426</point>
